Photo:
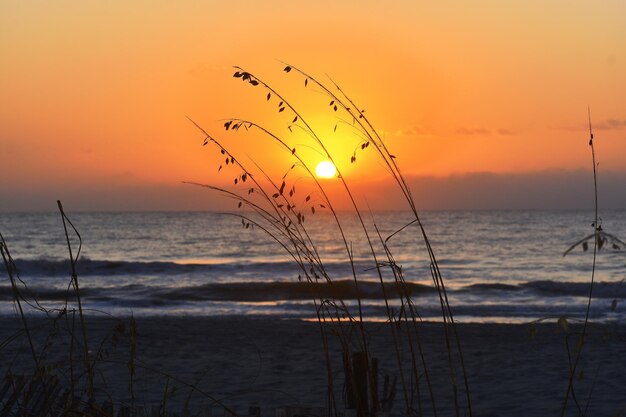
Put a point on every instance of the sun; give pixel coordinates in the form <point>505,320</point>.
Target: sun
<point>325,169</point>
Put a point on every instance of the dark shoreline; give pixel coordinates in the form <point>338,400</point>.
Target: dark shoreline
<point>513,370</point>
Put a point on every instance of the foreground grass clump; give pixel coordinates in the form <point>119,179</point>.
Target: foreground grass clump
<point>279,208</point>
<point>70,359</point>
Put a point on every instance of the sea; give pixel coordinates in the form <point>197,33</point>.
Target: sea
<point>497,266</point>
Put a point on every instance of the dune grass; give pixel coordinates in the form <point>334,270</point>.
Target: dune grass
<point>66,364</point>
<point>274,206</point>
<point>600,239</point>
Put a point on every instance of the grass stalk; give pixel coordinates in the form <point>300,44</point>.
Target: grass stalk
<point>73,260</point>
<point>286,226</point>
<point>597,237</point>
<point>11,269</point>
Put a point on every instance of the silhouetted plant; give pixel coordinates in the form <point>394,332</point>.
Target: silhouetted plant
<point>274,206</point>
<point>600,239</point>
<point>64,387</point>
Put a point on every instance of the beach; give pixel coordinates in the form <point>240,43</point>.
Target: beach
<point>238,362</point>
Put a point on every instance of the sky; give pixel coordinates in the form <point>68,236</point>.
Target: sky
<point>473,98</point>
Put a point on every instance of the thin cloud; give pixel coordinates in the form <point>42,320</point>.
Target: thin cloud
<point>204,70</point>
<point>473,131</point>
<point>607,124</point>
<point>543,190</point>
<point>405,131</point>
<point>484,131</point>
<point>610,124</point>
<point>505,132</point>
<point>572,128</point>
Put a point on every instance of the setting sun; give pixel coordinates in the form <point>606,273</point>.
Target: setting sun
<point>325,169</point>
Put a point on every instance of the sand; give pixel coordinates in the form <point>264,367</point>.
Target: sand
<point>271,363</point>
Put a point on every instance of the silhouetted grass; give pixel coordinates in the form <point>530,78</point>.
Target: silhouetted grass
<point>274,206</point>
<point>600,239</point>
<point>66,364</point>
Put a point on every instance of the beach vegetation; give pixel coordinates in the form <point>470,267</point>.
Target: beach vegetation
<point>600,239</point>
<point>277,207</point>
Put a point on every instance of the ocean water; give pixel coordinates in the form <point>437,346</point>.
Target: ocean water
<point>498,266</point>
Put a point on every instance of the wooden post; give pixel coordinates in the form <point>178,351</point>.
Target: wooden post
<point>359,372</point>
<point>351,403</point>
<point>374,384</point>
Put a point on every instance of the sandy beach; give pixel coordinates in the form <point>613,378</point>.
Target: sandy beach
<point>513,370</point>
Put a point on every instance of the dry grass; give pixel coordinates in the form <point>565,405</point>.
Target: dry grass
<point>275,206</point>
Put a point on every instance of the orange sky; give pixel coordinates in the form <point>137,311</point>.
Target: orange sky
<point>95,95</point>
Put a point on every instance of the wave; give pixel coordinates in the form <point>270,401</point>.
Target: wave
<point>547,288</point>
<point>294,291</point>
<point>580,289</point>
<point>238,291</point>
<point>88,267</point>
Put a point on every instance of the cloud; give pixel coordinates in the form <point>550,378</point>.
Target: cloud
<point>607,124</point>
<point>483,131</point>
<point>610,124</point>
<point>165,197</point>
<point>545,190</point>
<point>421,130</point>
<point>473,131</point>
<point>505,132</point>
<point>202,70</point>
<point>405,131</point>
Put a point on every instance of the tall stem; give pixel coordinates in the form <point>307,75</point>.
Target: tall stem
<point>597,229</point>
